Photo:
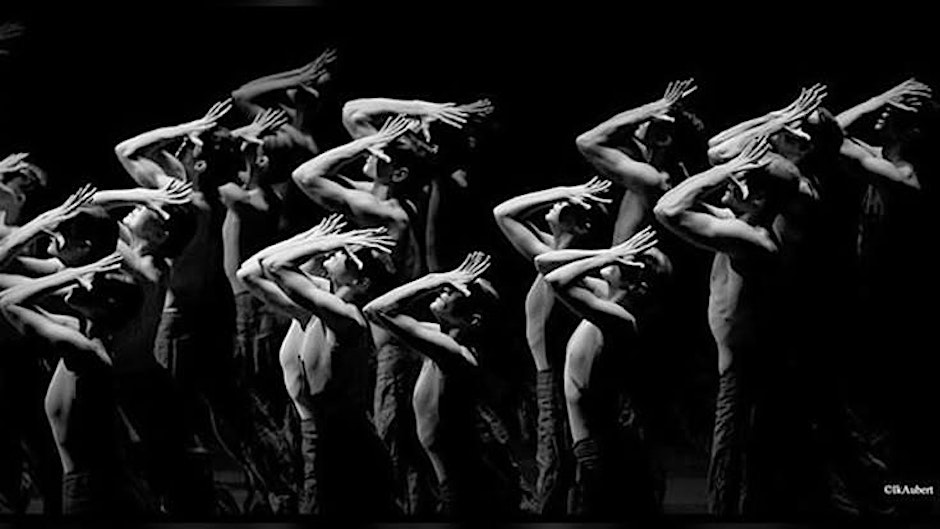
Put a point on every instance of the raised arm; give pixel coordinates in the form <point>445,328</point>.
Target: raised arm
<point>728,144</point>
<point>568,282</point>
<point>387,312</point>
<point>362,117</point>
<point>283,267</point>
<point>147,172</point>
<point>20,237</point>
<point>873,164</point>
<point>308,77</point>
<point>361,207</point>
<point>525,237</point>
<point>174,193</point>
<point>906,96</point>
<point>680,209</point>
<point>602,145</point>
<point>251,274</point>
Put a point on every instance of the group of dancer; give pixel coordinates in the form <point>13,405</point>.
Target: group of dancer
<point>339,360</point>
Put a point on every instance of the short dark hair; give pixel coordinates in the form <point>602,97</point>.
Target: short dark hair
<point>379,270</point>
<point>223,156</point>
<point>688,154</point>
<point>120,295</point>
<point>97,228</point>
<point>180,228</point>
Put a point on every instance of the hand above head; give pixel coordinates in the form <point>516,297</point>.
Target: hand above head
<point>330,225</point>
<point>265,122</point>
<point>70,208</point>
<point>908,96</point>
<point>642,241</point>
<point>373,238</point>
<point>587,194</point>
<point>314,71</point>
<point>473,266</point>
<point>804,105</point>
<point>675,92</point>
<point>391,129</point>
<point>194,128</point>
<point>13,162</point>
<point>175,193</point>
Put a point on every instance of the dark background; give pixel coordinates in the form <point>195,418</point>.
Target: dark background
<point>84,78</point>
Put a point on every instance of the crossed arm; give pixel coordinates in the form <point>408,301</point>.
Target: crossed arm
<point>16,304</point>
<point>682,211</point>
<point>603,148</point>
<point>283,267</point>
<point>387,311</point>
<point>566,272</point>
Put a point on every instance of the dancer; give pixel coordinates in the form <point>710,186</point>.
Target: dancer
<point>570,220</point>
<point>613,474</point>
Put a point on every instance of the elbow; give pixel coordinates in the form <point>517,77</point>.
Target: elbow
<point>541,263</point>
<point>248,272</point>
<point>716,155</point>
<point>372,312</point>
<point>500,213</point>
<point>304,178</point>
<point>122,151</point>
<point>666,212</point>
<point>586,142</point>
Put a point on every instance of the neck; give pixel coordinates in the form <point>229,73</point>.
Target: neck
<point>562,240</point>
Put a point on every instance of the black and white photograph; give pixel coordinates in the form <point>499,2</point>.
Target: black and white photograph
<point>302,261</point>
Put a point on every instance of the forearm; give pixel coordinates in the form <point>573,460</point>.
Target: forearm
<point>519,206</point>
<point>688,193</point>
<point>850,116</point>
<point>393,300</point>
<point>740,128</point>
<point>252,276</point>
<point>18,239</point>
<point>567,275</point>
<point>128,147</point>
<point>115,198</point>
<point>248,92</point>
<point>37,287</point>
<point>292,255</point>
<point>549,261</point>
<point>361,116</point>
<point>607,131</point>
<point>330,161</point>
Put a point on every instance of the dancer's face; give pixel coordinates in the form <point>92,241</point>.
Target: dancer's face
<point>564,217</point>
<point>146,225</point>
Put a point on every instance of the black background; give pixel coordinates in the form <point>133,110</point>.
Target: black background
<point>86,77</point>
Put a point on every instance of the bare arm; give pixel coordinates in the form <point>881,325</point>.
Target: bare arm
<point>599,146</point>
<point>362,207</point>
<point>877,166</point>
<point>905,96</point>
<point>567,283</point>
<point>679,210</point>
<point>442,349</point>
<point>522,235</point>
<point>307,77</point>
<point>341,316</point>
<point>362,117</point>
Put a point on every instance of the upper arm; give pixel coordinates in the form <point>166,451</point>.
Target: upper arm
<point>63,338</point>
<point>360,206</point>
<point>872,163</point>
<point>144,171</point>
<point>428,340</point>
<point>721,234</point>
<point>339,315</point>
<point>523,237</point>
<point>607,315</point>
<point>615,164</point>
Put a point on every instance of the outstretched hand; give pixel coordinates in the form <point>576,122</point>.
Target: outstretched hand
<point>753,156</point>
<point>478,109</point>
<point>391,129</point>
<point>85,274</point>
<point>13,163</point>
<point>265,122</point>
<point>70,208</point>
<point>209,121</point>
<point>175,193</point>
<point>643,241</point>
<point>472,267</point>
<point>372,238</point>
<point>675,92</point>
<point>585,195</point>
<point>908,96</point>
<point>804,105</point>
